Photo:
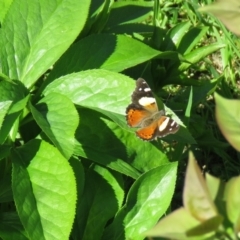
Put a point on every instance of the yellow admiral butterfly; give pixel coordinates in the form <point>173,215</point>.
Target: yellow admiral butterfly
<point>143,113</point>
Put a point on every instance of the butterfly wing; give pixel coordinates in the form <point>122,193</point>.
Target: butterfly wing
<point>143,104</point>
<point>158,128</point>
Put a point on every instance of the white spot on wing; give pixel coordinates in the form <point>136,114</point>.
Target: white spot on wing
<point>144,101</point>
<point>147,90</point>
<point>173,123</point>
<point>164,124</point>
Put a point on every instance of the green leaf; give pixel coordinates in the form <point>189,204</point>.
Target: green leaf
<point>228,119</point>
<point>11,227</point>
<point>57,117</point>
<point>98,203</point>
<point>147,200</point>
<point>176,34</point>
<point>196,197</point>
<point>198,54</point>
<point>44,190</point>
<point>34,35</point>
<point>105,51</point>
<point>227,12</point>
<point>191,39</point>
<point>100,90</point>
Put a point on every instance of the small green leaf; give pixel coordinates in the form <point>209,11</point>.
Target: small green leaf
<point>57,117</point>
<point>228,119</point>
<point>176,34</point>
<point>44,190</point>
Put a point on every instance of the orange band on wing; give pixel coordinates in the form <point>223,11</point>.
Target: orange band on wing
<point>135,117</point>
<point>148,133</point>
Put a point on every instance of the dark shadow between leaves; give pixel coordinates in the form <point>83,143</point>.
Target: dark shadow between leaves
<point>97,140</point>
<point>89,53</point>
<point>97,205</point>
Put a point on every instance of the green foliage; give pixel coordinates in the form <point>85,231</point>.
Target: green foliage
<point>70,167</point>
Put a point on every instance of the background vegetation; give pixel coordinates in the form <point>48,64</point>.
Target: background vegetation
<point>70,167</point>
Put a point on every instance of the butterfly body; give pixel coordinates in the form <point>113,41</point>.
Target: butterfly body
<point>144,114</point>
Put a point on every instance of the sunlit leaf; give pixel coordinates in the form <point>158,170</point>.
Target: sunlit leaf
<point>228,118</point>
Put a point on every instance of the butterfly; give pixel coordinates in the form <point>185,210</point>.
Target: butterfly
<point>144,114</point>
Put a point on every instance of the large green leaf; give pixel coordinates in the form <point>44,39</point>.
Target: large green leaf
<point>105,51</point>
<point>100,90</point>
<point>57,117</point>
<point>44,190</point>
<point>35,34</point>
<point>148,199</point>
